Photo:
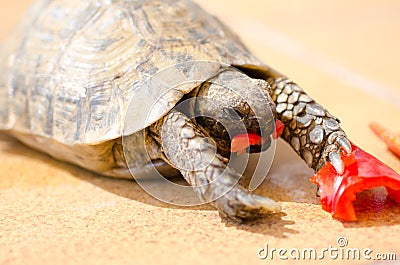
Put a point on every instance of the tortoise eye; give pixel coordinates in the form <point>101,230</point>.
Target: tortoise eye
<point>232,113</point>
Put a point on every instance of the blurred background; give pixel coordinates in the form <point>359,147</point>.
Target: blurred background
<point>344,53</point>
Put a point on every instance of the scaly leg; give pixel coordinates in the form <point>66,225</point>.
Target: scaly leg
<point>192,153</point>
<point>310,129</point>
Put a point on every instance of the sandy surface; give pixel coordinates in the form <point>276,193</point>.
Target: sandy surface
<point>345,55</point>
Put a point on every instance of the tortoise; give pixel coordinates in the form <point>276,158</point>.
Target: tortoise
<point>71,69</point>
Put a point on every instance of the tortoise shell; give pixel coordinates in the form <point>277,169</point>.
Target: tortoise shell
<point>71,68</point>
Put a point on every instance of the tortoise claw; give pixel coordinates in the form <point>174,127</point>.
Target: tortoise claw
<point>266,203</point>
<point>335,157</point>
<point>240,204</point>
<point>336,161</point>
<point>344,143</point>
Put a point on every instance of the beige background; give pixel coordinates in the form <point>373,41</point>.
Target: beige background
<point>345,53</point>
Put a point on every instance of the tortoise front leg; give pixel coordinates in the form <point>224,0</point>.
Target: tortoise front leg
<point>193,154</point>
<point>310,129</point>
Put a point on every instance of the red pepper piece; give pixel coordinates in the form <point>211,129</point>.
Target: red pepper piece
<point>392,141</point>
<point>241,141</point>
<point>279,126</point>
<point>362,171</point>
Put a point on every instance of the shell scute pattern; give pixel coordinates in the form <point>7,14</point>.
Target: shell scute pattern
<point>83,73</point>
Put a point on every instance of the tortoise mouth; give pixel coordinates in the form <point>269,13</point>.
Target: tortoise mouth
<point>260,138</point>
<point>253,142</point>
<point>250,143</point>
<point>263,146</point>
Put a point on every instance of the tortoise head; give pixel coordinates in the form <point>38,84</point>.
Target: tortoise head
<point>240,106</point>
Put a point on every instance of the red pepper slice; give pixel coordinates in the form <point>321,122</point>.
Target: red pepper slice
<point>241,141</point>
<point>362,171</point>
<point>279,127</point>
<point>392,141</point>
